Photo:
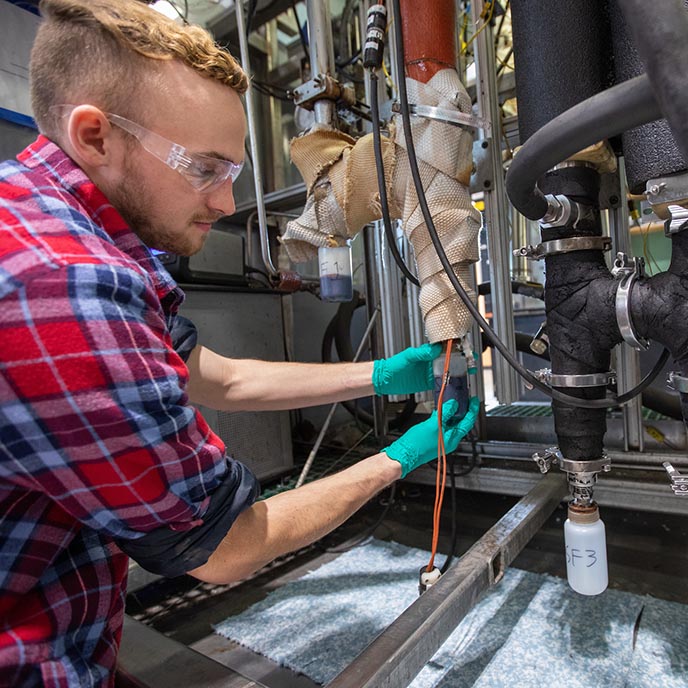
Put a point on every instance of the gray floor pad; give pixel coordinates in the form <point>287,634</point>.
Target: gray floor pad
<point>530,630</point>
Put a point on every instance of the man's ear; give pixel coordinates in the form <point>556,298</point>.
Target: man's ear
<point>90,136</point>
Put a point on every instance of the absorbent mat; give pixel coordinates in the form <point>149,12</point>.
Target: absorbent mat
<point>531,630</point>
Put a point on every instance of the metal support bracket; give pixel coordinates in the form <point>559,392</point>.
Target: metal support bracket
<point>678,382</point>
<point>447,116</point>
<point>663,192</point>
<point>557,246</point>
<point>322,86</point>
<point>679,483</point>
<point>586,380</point>
<point>628,271</point>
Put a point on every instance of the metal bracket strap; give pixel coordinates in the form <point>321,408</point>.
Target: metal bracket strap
<point>557,246</point>
<point>585,380</point>
<point>628,271</point>
<point>455,117</point>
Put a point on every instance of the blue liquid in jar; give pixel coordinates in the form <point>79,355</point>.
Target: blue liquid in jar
<point>336,287</point>
<point>456,388</point>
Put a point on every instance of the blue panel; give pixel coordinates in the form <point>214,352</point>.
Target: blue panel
<point>18,118</point>
<point>28,5</point>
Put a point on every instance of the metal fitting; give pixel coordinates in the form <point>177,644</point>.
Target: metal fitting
<point>664,192</point>
<point>581,475</point>
<point>549,456</point>
<point>679,483</point>
<point>678,220</point>
<point>540,341</point>
<point>321,87</point>
<point>628,271</point>
<point>677,382</point>
<point>559,211</point>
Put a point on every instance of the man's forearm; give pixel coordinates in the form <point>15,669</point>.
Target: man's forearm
<point>294,519</point>
<point>248,385</point>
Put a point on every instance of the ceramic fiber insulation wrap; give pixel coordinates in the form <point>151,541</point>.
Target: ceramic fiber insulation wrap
<point>342,189</point>
<point>444,153</point>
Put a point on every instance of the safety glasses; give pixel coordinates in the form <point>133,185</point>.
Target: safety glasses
<point>203,172</point>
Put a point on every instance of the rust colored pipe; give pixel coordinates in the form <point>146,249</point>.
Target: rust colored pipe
<point>429,28</point>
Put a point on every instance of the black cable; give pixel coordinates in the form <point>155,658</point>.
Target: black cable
<point>339,331</point>
<point>250,14</point>
<point>381,182</point>
<point>498,344</point>
<point>304,42</point>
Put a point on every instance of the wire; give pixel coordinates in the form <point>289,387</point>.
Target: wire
<point>472,309</point>
<point>441,476</point>
<point>454,529</point>
<point>381,182</point>
<point>482,28</point>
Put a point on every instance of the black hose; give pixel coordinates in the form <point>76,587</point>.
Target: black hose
<point>379,166</point>
<point>659,31</point>
<point>606,114</point>
<point>338,331</point>
<point>533,289</point>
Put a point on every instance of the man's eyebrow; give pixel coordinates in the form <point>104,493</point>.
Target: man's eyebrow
<point>218,156</point>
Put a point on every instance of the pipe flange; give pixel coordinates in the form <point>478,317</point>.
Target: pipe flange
<point>678,382</point>
<point>584,380</point>
<point>557,246</point>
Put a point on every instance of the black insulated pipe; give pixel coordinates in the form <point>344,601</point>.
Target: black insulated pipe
<point>650,150</point>
<point>604,115</point>
<point>659,308</point>
<point>660,34</point>
<point>562,57</point>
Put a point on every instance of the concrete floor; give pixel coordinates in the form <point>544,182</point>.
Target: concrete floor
<point>648,554</point>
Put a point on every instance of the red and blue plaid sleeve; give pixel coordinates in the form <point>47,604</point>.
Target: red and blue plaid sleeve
<point>95,408</point>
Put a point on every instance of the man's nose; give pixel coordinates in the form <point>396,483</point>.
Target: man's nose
<point>221,198</point>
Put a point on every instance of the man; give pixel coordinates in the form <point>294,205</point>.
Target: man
<point>101,450</point>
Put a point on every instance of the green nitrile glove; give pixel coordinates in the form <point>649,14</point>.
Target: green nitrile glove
<point>407,372</point>
<point>418,444</point>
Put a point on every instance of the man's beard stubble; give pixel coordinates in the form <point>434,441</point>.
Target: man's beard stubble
<point>130,200</point>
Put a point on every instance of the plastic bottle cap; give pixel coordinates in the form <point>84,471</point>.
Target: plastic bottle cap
<point>583,514</point>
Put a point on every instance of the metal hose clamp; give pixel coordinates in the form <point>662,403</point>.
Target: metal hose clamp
<point>628,271</point>
<point>557,246</point>
<point>584,380</point>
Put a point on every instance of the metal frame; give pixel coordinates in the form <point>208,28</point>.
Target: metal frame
<point>148,659</point>
<point>395,657</point>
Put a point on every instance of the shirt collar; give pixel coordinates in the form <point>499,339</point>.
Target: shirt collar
<point>51,160</point>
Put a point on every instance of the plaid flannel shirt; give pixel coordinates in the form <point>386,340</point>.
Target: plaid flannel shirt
<point>97,441</point>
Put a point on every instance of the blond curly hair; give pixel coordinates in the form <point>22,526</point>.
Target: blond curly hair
<point>101,51</point>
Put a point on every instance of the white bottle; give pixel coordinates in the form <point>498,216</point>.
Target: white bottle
<point>586,550</point>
